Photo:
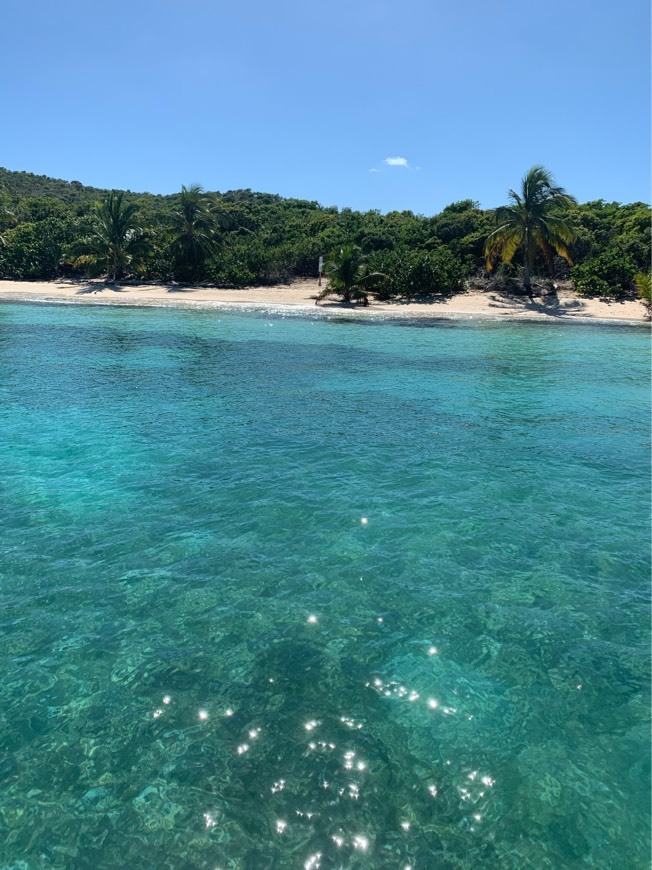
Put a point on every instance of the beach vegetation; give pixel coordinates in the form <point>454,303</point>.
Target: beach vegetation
<point>610,274</point>
<point>643,284</point>
<point>609,226</point>
<point>534,222</point>
<point>115,243</point>
<point>51,228</point>
<point>349,276</point>
<point>418,274</point>
<point>34,250</point>
<point>194,234</point>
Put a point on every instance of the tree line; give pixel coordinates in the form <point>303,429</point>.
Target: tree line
<point>54,229</point>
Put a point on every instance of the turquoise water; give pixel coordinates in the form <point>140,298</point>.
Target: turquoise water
<point>292,592</point>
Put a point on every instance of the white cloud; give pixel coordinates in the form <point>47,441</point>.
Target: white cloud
<point>374,170</point>
<point>396,161</point>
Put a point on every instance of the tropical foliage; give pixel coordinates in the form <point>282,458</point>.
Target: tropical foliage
<point>194,234</point>
<point>609,274</point>
<point>51,228</point>
<point>535,221</point>
<point>643,283</point>
<point>116,241</point>
<point>348,276</point>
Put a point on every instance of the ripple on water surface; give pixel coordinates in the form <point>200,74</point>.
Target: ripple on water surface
<point>282,592</point>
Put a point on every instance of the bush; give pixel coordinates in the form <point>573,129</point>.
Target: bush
<point>34,250</point>
<point>610,274</point>
<point>303,257</point>
<point>228,268</point>
<point>420,273</point>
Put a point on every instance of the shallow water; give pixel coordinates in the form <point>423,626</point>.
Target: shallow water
<point>294,592</point>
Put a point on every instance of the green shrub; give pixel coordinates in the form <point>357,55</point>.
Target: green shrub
<point>419,273</point>
<point>227,268</point>
<point>609,274</point>
<point>34,250</point>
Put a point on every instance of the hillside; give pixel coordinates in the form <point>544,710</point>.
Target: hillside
<point>21,185</point>
<point>244,237</point>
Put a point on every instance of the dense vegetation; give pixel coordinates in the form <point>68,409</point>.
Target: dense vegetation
<point>51,228</point>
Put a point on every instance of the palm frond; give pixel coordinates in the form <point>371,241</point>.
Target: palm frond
<point>327,291</point>
<point>643,284</point>
<point>503,243</point>
<point>513,196</point>
<point>373,277</point>
<point>559,226</point>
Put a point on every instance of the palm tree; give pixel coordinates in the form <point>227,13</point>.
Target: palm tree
<point>347,274</point>
<point>533,221</point>
<point>9,219</point>
<point>116,240</point>
<point>643,284</point>
<point>194,228</point>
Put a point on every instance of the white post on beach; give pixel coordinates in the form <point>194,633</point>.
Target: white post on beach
<point>321,269</point>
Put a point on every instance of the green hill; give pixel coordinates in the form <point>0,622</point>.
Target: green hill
<point>20,185</point>
<point>253,237</point>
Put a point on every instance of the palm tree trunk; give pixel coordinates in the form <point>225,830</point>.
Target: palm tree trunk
<point>526,263</point>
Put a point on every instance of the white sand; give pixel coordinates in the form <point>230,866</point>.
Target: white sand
<point>301,294</point>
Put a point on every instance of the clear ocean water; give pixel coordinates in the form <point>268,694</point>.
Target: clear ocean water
<point>294,592</point>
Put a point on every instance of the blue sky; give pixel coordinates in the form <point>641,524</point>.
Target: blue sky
<point>310,100</point>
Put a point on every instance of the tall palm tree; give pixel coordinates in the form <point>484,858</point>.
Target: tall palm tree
<point>348,276</point>
<point>194,229</point>
<point>534,220</point>
<point>116,240</point>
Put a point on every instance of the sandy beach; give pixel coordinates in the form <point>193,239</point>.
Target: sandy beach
<point>565,306</point>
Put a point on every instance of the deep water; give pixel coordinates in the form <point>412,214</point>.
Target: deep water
<point>284,592</point>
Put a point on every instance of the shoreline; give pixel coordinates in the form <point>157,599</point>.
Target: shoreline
<point>299,298</point>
